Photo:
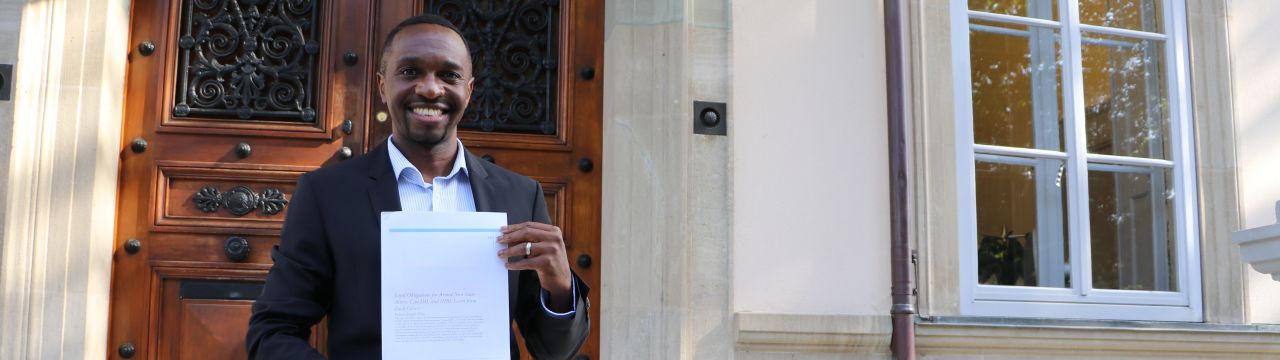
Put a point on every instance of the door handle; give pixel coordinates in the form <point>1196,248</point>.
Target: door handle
<point>126,350</point>
<point>132,246</point>
<point>236,248</point>
<point>138,145</point>
<point>243,150</point>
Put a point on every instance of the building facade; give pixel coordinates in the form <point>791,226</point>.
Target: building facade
<point>1075,171</point>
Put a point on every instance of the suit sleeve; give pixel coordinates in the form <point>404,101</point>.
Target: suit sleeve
<point>298,287</point>
<point>547,336</point>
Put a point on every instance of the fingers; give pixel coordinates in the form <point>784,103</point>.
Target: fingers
<point>529,224</point>
<point>545,264</point>
<point>546,253</point>
<point>529,232</point>
<point>536,263</point>
<point>545,249</point>
<point>535,250</point>
<point>542,257</point>
<point>551,266</point>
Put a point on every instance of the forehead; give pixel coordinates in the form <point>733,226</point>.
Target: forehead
<point>428,41</point>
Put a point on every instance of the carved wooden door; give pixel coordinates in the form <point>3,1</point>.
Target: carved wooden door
<point>229,101</point>
<point>537,108</point>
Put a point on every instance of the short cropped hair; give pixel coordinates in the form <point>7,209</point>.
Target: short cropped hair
<point>432,19</point>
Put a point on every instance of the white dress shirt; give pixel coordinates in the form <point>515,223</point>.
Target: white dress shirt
<point>445,193</point>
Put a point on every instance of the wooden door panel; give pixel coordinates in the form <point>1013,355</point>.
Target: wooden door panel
<point>204,313</point>
<point>170,249</point>
<point>192,128</point>
<point>557,200</point>
<point>265,150</point>
<point>221,294</point>
<point>233,71</point>
<point>564,151</point>
<point>531,163</point>
<point>195,97</point>
<point>203,195</point>
<point>204,332</point>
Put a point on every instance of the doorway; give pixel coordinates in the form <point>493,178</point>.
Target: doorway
<point>228,102</point>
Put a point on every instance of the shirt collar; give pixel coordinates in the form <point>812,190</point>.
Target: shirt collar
<point>399,162</point>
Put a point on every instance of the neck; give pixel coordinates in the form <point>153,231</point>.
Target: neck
<point>431,161</point>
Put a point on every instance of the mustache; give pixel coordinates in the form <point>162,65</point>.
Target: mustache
<point>418,100</point>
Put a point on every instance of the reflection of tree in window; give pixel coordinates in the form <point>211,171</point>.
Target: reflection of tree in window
<point>1016,98</point>
<point>1017,92</point>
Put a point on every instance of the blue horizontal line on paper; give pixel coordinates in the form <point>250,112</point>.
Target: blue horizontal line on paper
<point>444,230</point>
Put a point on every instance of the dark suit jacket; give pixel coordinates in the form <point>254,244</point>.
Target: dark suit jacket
<point>329,263</point>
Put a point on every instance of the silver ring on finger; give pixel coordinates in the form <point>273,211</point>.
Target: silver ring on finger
<point>528,248</point>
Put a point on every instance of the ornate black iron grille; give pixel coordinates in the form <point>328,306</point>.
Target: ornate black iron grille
<point>514,49</point>
<point>248,59</point>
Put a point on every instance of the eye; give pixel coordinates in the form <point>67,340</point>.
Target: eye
<point>452,77</point>
<point>407,72</point>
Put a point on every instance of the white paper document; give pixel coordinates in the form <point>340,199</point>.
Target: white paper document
<point>444,289</point>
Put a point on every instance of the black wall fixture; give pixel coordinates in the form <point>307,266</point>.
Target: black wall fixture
<point>710,118</point>
<point>6,81</point>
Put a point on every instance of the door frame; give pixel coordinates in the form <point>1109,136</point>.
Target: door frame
<point>62,170</point>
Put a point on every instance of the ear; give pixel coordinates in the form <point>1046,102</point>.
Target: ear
<point>471,84</point>
<point>382,86</point>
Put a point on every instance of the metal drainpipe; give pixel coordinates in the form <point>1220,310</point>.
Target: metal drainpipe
<point>903,340</point>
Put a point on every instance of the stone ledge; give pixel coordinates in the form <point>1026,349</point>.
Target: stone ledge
<point>1000,337</point>
<point>1260,246</point>
<point>846,334</point>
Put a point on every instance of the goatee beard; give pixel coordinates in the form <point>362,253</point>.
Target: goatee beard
<point>429,141</point>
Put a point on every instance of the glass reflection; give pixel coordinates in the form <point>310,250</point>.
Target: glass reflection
<point>1042,9</point>
<point>1125,97</point>
<point>1141,15</point>
<point>1021,222</point>
<point>1132,237</point>
<point>1016,86</point>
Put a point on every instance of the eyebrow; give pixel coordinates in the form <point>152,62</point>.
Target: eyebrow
<point>415,59</point>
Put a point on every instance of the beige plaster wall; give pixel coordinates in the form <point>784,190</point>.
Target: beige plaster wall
<point>10,16</point>
<point>62,165</point>
<point>810,183</point>
<point>665,219</point>
<point>1255,60</point>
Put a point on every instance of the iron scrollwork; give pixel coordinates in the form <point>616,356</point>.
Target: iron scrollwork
<point>248,59</point>
<point>240,200</point>
<point>514,48</point>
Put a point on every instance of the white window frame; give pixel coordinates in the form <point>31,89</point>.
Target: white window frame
<point>1080,300</point>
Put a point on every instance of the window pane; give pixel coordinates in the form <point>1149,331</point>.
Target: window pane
<point>1142,15</point>
<point>1016,86</point>
<point>1125,97</point>
<point>1021,222</point>
<point>1131,228</point>
<point>1043,9</point>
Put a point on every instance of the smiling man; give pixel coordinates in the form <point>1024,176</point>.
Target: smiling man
<point>328,264</point>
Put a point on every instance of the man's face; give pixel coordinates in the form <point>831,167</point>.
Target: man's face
<point>426,84</point>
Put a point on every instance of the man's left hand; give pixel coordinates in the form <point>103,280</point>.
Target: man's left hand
<point>546,257</point>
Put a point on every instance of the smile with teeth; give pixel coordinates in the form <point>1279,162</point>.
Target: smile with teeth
<point>427,111</point>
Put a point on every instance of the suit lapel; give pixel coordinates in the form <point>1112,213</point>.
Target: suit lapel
<point>485,196</point>
<point>384,193</point>
<point>482,188</point>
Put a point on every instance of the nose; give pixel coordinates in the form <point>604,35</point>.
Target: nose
<point>430,87</point>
